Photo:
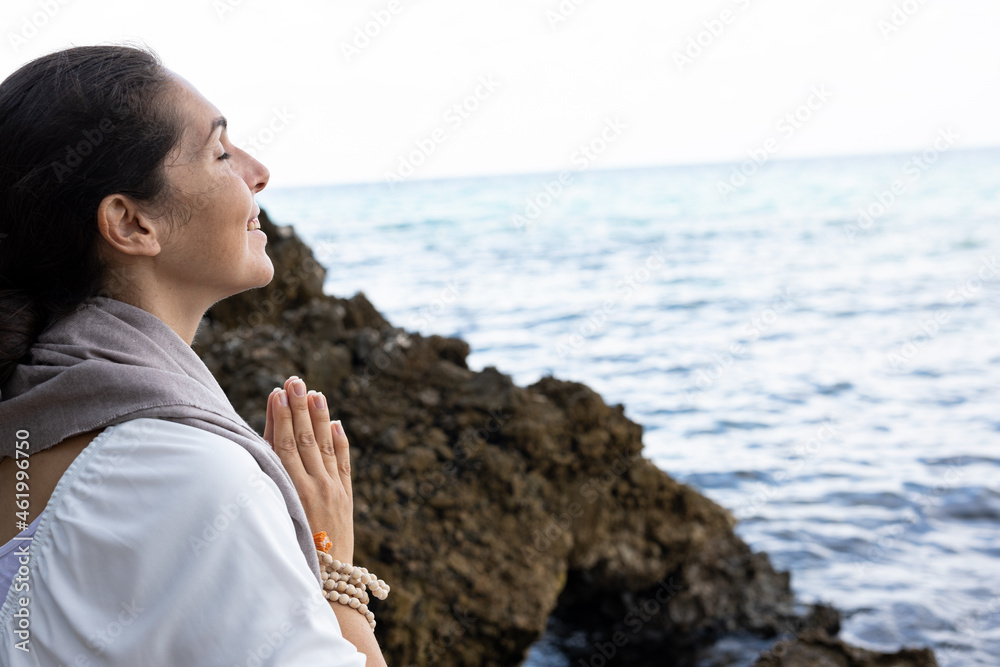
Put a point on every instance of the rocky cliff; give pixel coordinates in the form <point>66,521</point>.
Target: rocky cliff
<point>491,508</point>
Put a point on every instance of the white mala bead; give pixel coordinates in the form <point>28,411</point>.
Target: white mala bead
<point>348,585</point>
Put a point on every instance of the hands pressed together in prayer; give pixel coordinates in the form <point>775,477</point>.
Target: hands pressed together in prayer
<point>317,456</point>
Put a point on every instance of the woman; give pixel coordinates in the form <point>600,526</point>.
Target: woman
<point>164,531</point>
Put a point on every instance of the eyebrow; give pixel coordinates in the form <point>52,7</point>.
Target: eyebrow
<point>217,123</point>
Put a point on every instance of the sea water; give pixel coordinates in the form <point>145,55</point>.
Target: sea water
<point>812,344</point>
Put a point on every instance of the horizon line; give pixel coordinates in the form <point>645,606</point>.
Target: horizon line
<point>709,163</point>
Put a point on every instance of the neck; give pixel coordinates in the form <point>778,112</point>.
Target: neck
<point>180,310</point>
<point>183,321</point>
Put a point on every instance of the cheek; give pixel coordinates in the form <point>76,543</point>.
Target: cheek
<point>238,201</point>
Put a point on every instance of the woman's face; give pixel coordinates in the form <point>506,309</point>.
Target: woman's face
<point>213,248</point>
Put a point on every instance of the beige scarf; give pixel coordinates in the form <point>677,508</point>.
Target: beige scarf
<point>109,362</point>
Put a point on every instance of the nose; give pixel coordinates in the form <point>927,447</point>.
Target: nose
<point>257,175</point>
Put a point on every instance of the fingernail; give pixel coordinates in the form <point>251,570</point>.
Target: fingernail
<point>283,398</point>
<point>318,401</point>
<point>299,387</point>
<point>340,427</point>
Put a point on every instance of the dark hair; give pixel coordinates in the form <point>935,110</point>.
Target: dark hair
<point>75,126</point>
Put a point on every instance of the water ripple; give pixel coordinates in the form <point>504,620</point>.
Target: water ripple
<point>838,396</point>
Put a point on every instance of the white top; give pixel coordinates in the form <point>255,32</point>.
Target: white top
<point>163,544</point>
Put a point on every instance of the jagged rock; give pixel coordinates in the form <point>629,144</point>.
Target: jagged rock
<point>816,648</point>
<point>490,507</point>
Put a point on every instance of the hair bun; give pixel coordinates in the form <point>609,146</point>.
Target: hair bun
<point>21,321</point>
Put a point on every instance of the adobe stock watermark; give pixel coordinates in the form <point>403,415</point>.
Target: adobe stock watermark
<point>301,613</point>
<point>466,450</point>
<point>259,655</point>
<point>378,361</point>
<point>584,156</point>
<point>703,40</point>
<point>99,641</point>
<point>455,116</point>
<point>928,329</point>
<point>77,153</point>
<point>599,317</point>
<point>780,648</point>
<point>212,529</point>
<point>805,452</point>
<point>563,11</point>
<point>982,620</point>
<point>223,7</point>
<point>723,361</point>
<point>887,537</point>
<point>21,580</point>
<point>432,311</point>
<point>901,14</point>
<point>913,169</point>
<point>591,491</point>
<point>366,34</point>
<point>278,123</point>
<point>448,635</point>
<point>635,620</point>
<point>228,514</point>
<point>33,23</point>
<point>787,127</point>
<point>972,624</point>
<point>304,266</point>
<point>395,348</point>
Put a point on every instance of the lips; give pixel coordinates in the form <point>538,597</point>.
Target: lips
<point>253,223</point>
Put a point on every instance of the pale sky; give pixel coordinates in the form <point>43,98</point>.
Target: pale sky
<point>323,108</point>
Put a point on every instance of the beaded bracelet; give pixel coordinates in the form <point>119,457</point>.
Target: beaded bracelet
<point>345,583</point>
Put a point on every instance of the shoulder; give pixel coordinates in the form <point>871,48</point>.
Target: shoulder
<point>146,454</point>
<point>152,479</point>
<point>150,438</point>
<point>166,528</point>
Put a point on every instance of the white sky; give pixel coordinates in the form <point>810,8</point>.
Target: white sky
<point>352,121</point>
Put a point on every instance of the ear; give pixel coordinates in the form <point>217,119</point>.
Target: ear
<point>127,228</point>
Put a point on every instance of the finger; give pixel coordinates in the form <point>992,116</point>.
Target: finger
<point>308,443</point>
<point>269,418</point>
<point>320,413</point>
<point>342,449</point>
<point>285,444</point>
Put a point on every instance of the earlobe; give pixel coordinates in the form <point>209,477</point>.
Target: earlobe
<point>126,228</point>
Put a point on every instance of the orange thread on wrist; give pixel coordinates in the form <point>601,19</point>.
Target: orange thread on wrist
<point>322,542</point>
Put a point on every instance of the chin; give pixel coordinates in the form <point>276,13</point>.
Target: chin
<point>264,275</point>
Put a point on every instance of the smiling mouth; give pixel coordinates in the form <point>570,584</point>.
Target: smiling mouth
<point>253,224</point>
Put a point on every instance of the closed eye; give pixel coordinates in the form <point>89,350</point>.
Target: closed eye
<point>225,156</point>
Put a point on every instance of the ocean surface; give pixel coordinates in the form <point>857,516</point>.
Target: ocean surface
<point>817,350</point>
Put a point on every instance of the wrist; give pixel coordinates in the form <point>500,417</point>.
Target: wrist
<point>343,551</point>
<point>346,584</point>
<point>323,543</point>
